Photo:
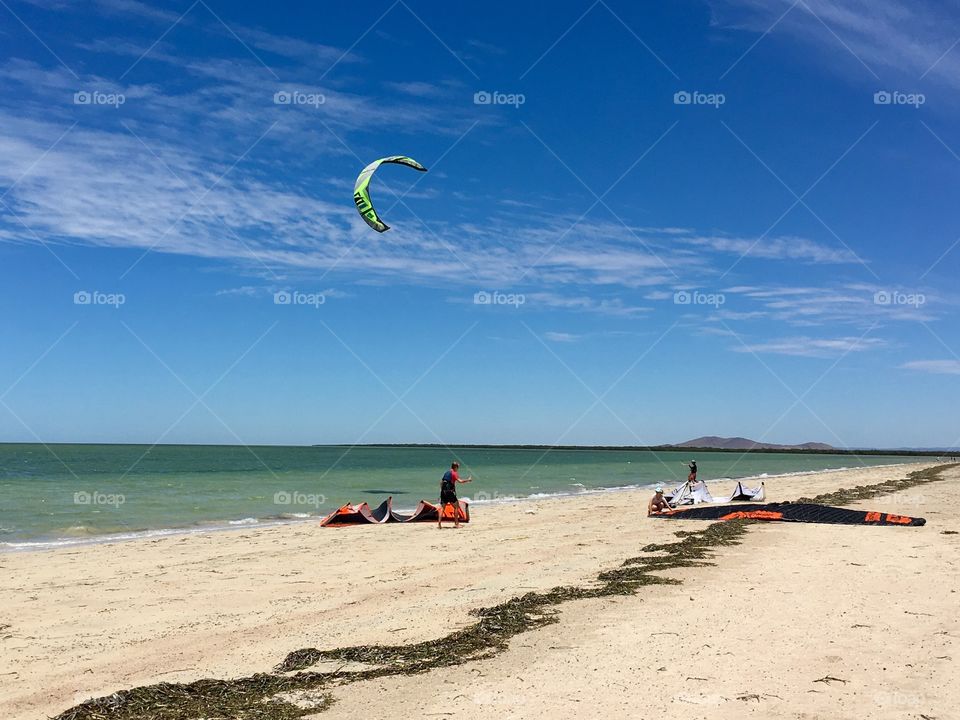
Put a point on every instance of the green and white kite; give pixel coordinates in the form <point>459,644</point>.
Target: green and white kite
<point>361,191</point>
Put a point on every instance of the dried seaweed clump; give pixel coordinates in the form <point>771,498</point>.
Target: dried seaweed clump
<point>846,496</point>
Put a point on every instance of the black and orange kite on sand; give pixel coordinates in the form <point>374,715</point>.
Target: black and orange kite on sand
<point>384,513</point>
<point>778,511</point>
<point>793,512</point>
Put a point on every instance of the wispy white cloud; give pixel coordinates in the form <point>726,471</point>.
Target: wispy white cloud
<point>812,347</point>
<point>561,337</point>
<point>160,176</point>
<point>486,47</point>
<point>416,88</point>
<point>583,303</point>
<point>775,248</point>
<point>855,304</point>
<point>134,8</point>
<point>867,39</point>
<point>145,189</point>
<point>935,367</point>
<point>658,295</point>
<point>243,291</point>
<point>309,54</point>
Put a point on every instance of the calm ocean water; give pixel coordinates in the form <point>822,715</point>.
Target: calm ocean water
<point>63,494</point>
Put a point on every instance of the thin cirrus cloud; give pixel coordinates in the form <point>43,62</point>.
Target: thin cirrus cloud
<point>935,367</point>
<point>561,337</point>
<point>307,53</point>
<point>582,303</point>
<point>775,248</point>
<point>134,8</point>
<point>813,347</point>
<point>111,188</point>
<point>158,177</point>
<point>416,88</point>
<point>892,39</point>
<point>854,304</point>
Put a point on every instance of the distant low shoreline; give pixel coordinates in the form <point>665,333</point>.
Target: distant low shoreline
<point>660,448</point>
<point>899,452</point>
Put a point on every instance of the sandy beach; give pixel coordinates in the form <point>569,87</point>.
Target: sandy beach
<point>796,621</point>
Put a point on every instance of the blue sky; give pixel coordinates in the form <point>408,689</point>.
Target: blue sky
<point>717,217</point>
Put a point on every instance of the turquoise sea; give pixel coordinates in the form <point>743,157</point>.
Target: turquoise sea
<point>62,494</point>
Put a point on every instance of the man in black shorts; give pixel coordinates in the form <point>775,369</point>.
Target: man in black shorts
<point>448,493</point>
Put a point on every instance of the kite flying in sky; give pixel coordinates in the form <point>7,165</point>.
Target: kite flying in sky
<point>361,192</point>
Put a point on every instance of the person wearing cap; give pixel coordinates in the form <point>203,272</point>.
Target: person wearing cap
<point>448,493</point>
<point>692,477</point>
<point>658,503</point>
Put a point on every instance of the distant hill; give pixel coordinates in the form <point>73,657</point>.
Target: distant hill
<point>739,443</point>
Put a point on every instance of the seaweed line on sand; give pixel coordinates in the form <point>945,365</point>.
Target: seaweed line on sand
<point>261,696</point>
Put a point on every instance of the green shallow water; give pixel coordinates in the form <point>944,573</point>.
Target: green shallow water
<point>69,493</point>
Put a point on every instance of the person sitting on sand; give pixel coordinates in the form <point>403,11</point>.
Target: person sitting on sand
<point>448,493</point>
<point>658,503</point>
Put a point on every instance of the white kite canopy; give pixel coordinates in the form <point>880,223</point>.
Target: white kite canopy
<point>676,493</point>
<point>691,493</point>
<point>742,492</point>
<point>696,493</point>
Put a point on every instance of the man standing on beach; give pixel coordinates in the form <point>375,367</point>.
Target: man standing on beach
<point>692,477</point>
<point>448,493</point>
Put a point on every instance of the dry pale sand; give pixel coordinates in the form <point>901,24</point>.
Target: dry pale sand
<point>875,607</point>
